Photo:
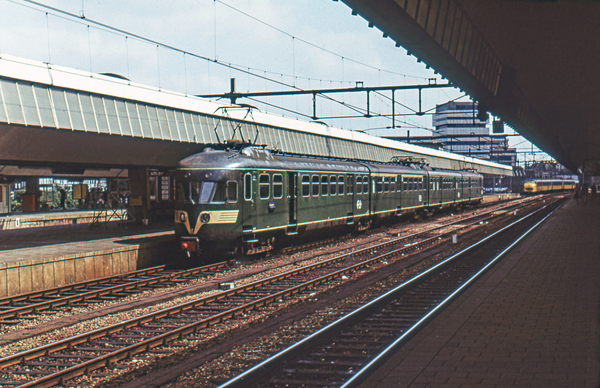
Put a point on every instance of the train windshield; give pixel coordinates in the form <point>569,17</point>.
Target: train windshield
<point>204,192</point>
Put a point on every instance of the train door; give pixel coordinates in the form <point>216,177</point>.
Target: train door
<point>249,206</point>
<point>292,197</point>
<point>399,194</point>
<point>349,201</point>
<point>425,190</point>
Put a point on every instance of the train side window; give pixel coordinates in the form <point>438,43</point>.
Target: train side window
<point>410,184</point>
<point>277,186</point>
<point>365,184</point>
<point>379,184</point>
<point>264,186</point>
<point>305,185</point>
<point>340,185</point>
<point>420,183</point>
<point>315,185</point>
<point>399,180</point>
<point>324,184</point>
<point>248,187</point>
<point>386,184</point>
<point>359,184</point>
<point>332,184</point>
<point>404,184</point>
<point>231,191</point>
<point>393,184</point>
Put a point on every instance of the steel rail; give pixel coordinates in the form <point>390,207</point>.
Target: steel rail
<point>49,292</point>
<point>383,356</point>
<point>128,287</point>
<point>248,376</point>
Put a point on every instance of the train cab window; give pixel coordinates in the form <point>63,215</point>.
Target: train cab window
<point>379,184</point>
<point>324,185</point>
<point>248,187</point>
<point>277,186</point>
<point>350,185</point>
<point>386,184</point>
<point>340,185</point>
<point>315,185</point>
<point>359,184</point>
<point>207,192</point>
<point>264,186</point>
<point>305,185</point>
<point>231,194</point>
<point>332,184</point>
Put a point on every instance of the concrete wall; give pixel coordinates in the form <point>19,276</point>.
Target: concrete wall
<point>20,276</point>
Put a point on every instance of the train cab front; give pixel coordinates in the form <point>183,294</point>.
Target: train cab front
<point>206,212</point>
<point>529,187</point>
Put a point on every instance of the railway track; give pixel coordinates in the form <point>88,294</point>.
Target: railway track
<point>157,333</point>
<point>349,349</point>
<point>15,309</point>
<point>26,306</point>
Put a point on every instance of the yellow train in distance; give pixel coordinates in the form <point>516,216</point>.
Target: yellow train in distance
<point>536,186</point>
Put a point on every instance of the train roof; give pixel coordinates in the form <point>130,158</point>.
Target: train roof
<point>550,180</point>
<point>259,158</point>
<point>252,157</point>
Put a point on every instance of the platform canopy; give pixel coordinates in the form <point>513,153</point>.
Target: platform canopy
<point>534,63</point>
<point>54,116</point>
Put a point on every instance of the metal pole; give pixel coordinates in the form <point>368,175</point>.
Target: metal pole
<point>393,109</point>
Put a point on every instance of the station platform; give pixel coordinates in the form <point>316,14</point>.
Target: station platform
<point>36,258</point>
<point>530,321</point>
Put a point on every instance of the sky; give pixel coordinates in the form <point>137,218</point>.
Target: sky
<point>196,47</point>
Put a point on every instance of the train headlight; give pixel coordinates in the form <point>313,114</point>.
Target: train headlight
<point>205,218</point>
<point>182,217</point>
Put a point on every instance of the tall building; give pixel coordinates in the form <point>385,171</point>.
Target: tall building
<point>458,118</point>
<point>458,130</point>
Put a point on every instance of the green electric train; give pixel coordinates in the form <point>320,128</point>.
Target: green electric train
<point>248,200</point>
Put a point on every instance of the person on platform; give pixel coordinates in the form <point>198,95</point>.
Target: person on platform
<point>63,198</point>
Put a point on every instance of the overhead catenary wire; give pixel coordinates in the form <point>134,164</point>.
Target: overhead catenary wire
<point>81,19</point>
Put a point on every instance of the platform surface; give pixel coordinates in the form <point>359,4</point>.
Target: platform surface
<point>60,240</point>
<point>531,321</point>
